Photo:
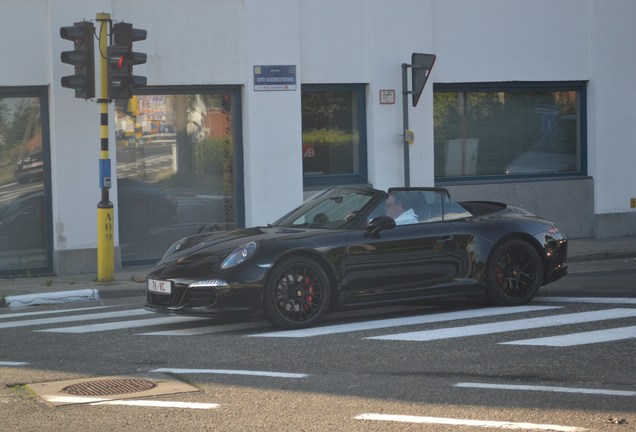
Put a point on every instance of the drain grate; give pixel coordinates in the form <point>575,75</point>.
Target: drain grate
<point>109,387</point>
<point>100,389</point>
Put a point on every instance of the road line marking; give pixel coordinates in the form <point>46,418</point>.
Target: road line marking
<point>11,363</point>
<point>73,318</point>
<point>599,300</point>
<point>160,404</point>
<point>120,325</point>
<point>396,322</point>
<point>466,422</point>
<point>73,399</point>
<point>25,314</point>
<point>507,326</point>
<point>583,338</point>
<point>207,330</point>
<point>603,392</point>
<point>232,372</point>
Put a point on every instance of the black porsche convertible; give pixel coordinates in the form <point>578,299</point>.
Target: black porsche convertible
<point>348,247</point>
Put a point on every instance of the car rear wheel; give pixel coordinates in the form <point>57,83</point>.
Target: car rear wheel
<point>297,293</point>
<point>514,274</point>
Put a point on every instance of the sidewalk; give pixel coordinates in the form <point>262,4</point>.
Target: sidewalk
<point>130,281</point>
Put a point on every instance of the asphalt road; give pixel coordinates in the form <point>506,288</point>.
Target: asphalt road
<point>566,362</point>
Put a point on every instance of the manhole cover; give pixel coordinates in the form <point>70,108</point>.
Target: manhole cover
<point>119,387</point>
<point>109,387</point>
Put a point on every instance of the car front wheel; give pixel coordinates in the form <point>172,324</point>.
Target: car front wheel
<point>297,293</point>
<point>514,273</point>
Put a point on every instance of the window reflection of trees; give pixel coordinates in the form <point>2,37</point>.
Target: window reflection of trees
<point>180,147</point>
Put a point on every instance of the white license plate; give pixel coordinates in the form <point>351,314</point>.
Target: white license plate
<point>159,286</point>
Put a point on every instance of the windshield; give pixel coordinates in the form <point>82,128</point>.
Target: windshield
<point>331,209</point>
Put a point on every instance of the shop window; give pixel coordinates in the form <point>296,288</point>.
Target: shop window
<point>25,223</point>
<point>509,130</point>
<point>334,134</point>
<point>178,166</point>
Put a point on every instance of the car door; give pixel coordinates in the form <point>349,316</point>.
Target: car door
<point>403,262</point>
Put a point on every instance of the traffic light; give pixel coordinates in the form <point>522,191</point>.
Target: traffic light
<point>121,60</point>
<point>82,57</point>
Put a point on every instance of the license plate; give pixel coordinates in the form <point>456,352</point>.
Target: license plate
<point>159,286</point>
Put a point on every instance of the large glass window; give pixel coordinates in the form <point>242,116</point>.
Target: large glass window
<point>509,129</point>
<point>24,212</point>
<point>334,134</point>
<point>177,169</point>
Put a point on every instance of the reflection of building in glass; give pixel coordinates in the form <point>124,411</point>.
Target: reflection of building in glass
<point>175,163</point>
<point>24,225</point>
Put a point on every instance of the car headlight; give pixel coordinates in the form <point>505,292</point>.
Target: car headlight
<point>239,255</point>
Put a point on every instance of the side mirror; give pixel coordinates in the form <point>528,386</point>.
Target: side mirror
<point>380,223</point>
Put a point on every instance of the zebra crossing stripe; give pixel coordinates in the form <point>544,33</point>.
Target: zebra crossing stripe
<point>507,326</point>
<point>207,330</point>
<point>73,318</point>
<point>598,300</point>
<point>584,338</point>
<point>395,322</point>
<point>49,312</point>
<point>90,328</point>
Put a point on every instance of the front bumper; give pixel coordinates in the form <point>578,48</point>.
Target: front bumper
<point>556,253</point>
<point>197,299</point>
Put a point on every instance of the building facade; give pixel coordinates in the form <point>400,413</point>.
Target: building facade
<point>251,106</point>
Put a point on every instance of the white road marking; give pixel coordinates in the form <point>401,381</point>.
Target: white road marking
<point>597,300</point>
<point>74,318</point>
<point>159,404</point>
<point>583,338</point>
<point>128,402</point>
<point>506,326</point>
<point>395,322</point>
<point>11,363</point>
<point>466,422</point>
<point>122,325</point>
<point>232,372</point>
<point>550,389</point>
<point>207,330</point>
<point>49,312</point>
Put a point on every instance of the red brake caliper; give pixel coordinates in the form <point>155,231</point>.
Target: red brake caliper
<point>500,277</point>
<point>310,289</point>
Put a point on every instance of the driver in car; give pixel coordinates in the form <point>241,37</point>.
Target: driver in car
<point>398,207</point>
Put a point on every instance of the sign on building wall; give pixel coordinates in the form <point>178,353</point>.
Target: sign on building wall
<point>277,78</point>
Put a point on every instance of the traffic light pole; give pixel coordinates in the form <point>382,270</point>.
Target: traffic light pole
<point>105,213</point>
<point>405,125</point>
<point>116,82</point>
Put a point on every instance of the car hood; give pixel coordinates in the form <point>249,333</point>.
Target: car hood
<point>224,242</point>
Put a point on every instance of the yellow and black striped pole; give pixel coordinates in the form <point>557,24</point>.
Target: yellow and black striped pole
<point>105,218</point>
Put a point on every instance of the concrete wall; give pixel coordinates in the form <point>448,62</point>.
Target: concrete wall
<point>568,203</point>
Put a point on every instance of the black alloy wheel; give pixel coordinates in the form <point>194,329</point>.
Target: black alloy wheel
<point>297,293</point>
<point>514,274</point>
